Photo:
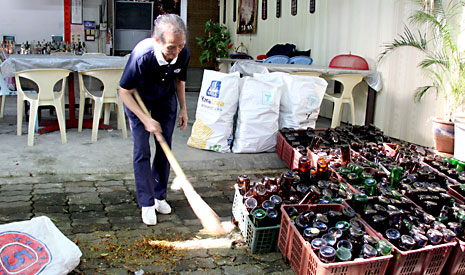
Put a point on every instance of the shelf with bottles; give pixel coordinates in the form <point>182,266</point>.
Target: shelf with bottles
<point>44,47</point>
<point>329,239</point>
<point>414,233</point>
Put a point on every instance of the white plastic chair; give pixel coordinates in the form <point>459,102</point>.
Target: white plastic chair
<point>349,81</point>
<point>45,79</point>
<point>110,79</point>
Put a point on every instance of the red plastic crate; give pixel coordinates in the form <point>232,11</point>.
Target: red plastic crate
<point>454,192</point>
<point>305,262</point>
<point>279,144</point>
<point>428,260</point>
<point>456,264</point>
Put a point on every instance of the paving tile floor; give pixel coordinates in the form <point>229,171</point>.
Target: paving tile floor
<point>102,217</point>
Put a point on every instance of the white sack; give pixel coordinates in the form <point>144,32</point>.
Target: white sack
<point>257,120</point>
<point>301,101</point>
<point>36,246</point>
<point>216,107</point>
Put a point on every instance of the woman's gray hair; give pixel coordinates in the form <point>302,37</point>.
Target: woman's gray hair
<point>168,22</point>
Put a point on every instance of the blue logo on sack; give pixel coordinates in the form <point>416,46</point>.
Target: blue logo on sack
<point>267,98</point>
<point>214,89</point>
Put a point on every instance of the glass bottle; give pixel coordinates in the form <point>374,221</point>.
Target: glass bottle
<point>259,217</point>
<point>343,254</point>
<point>360,202</point>
<point>327,254</point>
<point>396,175</point>
<point>322,168</point>
<point>243,182</point>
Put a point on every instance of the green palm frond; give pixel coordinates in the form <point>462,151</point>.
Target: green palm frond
<point>444,62</point>
<point>404,40</point>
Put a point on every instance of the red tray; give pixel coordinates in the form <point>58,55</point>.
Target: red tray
<point>304,261</point>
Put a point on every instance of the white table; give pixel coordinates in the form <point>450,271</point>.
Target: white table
<point>371,77</point>
<point>76,63</point>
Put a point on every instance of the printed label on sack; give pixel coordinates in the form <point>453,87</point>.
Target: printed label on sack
<point>21,253</point>
<point>201,133</point>
<point>214,89</point>
<point>267,98</point>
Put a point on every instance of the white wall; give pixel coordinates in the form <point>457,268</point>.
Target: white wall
<point>360,27</point>
<point>39,19</point>
<point>31,20</point>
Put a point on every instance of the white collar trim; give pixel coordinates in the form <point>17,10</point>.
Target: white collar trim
<point>159,55</point>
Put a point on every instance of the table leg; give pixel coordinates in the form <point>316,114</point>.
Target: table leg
<point>370,110</point>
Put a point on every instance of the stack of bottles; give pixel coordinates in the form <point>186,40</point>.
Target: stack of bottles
<point>401,222</point>
<point>450,167</point>
<point>7,47</point>
<point>306,185</point>
<point>337,236</point>
<point>45,47</point>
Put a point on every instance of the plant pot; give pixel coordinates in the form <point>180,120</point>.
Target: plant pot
<point>443,135</point>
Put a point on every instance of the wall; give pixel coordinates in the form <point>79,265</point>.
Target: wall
<point>360,27</point>
<point>91,12</point>
<point>31,20</point>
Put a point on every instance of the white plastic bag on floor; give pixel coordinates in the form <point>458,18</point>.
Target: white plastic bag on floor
<point>36,246</point>
<point>301,101</point>
<point>216,107</point>
<point>257,119</point>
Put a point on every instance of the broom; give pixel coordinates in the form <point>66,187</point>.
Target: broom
<point>208,218</point>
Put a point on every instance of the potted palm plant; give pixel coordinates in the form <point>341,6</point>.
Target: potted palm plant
<point>216,44</point>
<point>444,60</point>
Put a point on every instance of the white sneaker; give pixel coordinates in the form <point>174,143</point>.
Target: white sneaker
<point>149,217</point>
<point>162,206</point>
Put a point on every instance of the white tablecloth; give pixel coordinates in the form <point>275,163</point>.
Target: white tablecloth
<point>78,63</point>
<point>248,67</point>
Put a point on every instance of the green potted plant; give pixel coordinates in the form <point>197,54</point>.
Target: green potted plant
<point>444,60</point>
<point>216,44</point>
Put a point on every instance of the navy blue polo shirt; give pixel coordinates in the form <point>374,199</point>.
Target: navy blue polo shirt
<point>152,81</point>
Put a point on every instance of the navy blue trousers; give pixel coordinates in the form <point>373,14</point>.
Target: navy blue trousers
<point>152,180</point>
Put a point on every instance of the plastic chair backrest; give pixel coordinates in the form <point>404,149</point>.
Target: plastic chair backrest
<point>45,79</point>
<point>277,59</point>
<point>301,59</point>
<point>109,77</point>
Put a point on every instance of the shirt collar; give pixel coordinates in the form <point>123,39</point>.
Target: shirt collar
<point>160,59</point>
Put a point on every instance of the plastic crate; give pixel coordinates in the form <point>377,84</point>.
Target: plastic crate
<point>279,144</point>
<point>304,261</point>
<point>454,193</point>
<point>239,211</point>
<point>428,260</point>
<point>456,263</point>
<point>261,239</point>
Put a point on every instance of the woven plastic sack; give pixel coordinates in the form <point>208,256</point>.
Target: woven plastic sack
<point>36,246</point>
<point>216,107</point>
<point>257,119</point>
<point>301,101</point>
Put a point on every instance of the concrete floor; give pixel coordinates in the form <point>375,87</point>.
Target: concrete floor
<point>111,154</point>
